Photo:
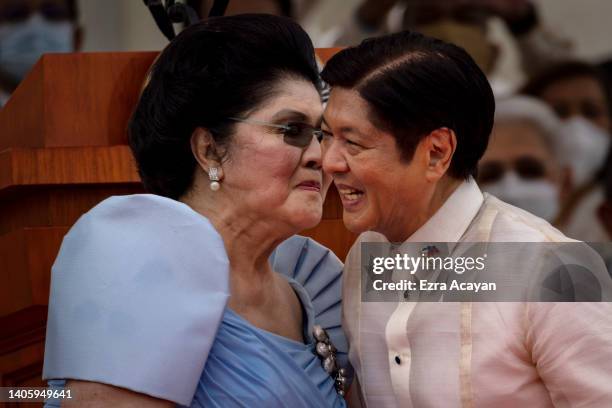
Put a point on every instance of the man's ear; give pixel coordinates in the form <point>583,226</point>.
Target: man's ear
<point>205,150</point>
<point>440,146</point>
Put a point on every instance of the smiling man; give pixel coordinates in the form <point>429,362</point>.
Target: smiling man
<point>408,119</point>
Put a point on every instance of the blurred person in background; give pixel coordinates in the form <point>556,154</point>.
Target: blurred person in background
<point>604,213</point>
<point>605,68</point>
<point>521,165</point>
<point>29,29</point>
<point>576,91</point>
<point>465,23</point>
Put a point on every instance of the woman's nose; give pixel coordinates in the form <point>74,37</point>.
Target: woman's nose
<point>312,154</point>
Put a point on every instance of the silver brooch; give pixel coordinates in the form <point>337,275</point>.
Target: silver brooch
<point>327,353</point>
<point>430,251</point>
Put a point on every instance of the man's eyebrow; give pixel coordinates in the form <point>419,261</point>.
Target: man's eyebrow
<point>344,129</point>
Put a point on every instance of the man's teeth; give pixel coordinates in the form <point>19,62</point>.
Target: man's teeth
<point>351,194</point>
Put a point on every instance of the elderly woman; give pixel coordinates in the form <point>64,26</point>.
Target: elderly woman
<point>408,119</point>
<point>525,162</point>
<point>179,296</point>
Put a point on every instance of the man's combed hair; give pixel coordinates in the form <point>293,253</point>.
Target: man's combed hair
<point>413,85</point>
<point>220,68</point>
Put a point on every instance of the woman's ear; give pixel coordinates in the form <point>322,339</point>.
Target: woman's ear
<point>205,150</point>
<point>440,147</point>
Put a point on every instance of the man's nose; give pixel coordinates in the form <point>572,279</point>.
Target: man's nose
<point>333,159</point>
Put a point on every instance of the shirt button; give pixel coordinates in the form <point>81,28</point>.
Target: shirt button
<point>398,361</point>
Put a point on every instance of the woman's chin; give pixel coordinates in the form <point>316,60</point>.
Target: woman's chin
<point>307,219</point>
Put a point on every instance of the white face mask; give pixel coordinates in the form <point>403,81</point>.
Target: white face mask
<point>22,44</point>
<point>584,147</point>
<point>539,197</point>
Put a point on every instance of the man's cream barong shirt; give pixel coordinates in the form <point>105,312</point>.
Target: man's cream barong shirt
<point>500,355</point>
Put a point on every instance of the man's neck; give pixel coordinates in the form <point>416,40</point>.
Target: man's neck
<point>435,199</point>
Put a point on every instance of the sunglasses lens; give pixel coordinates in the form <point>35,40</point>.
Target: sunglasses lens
<point>490,172</point>
<point>298,134</point>
<point>529,168</point>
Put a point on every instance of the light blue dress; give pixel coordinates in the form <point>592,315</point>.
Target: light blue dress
<point>138,300</point>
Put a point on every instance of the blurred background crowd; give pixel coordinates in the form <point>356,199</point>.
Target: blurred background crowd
<point>549,62</point>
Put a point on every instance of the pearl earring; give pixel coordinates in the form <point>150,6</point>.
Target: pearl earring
<point>213,175</point>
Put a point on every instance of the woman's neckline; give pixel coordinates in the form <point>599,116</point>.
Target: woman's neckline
<point>305,316</point>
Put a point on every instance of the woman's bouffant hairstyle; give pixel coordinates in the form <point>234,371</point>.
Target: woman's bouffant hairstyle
<point>414,84</point>
<point>219,68</point>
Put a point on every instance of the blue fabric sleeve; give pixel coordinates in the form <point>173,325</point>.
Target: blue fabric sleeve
<point>319,271</point>
<point>138,291</point>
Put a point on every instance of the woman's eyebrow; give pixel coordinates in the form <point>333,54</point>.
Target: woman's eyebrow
<point>291,114</point>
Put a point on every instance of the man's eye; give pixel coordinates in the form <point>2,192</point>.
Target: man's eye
<point>326,133</point>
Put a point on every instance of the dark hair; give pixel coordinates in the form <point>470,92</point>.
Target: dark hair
<point>285,6</point>
<point>219,68</point>
<point>415,84</point>
<point>73,10</point>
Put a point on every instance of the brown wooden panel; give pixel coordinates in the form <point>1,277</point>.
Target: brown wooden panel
<point>48,206</point>
<point>68,165</point>
<point>78,99</point>
<point>21,118</point>
<point>42,247</point>
<point>11,363</point>
<point>23,366</point>
<point>15,291</point>
<point>332,208</point>
<point>22,328</point>
<point>26,257</point>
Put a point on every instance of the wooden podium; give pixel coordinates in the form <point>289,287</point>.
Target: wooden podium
<point>63,149</point>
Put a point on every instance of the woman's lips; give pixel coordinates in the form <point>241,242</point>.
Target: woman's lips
<point>310,185</point>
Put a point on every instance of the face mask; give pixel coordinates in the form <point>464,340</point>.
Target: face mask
<point>539,197</point>
<point>22,44</point>
<point>585,147</point>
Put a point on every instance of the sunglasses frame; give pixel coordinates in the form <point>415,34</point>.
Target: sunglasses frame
<point>316,132</point>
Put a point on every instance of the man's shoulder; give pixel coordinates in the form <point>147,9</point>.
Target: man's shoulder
<point>500,221</point>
